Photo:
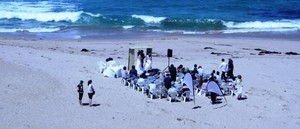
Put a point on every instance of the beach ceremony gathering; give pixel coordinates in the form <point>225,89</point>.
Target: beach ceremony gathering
<point>149,64</point>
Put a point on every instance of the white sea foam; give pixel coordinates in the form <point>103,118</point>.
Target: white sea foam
<point>40,11</point>
<point>149,19</point>
<point>42,16</point>
<point>30,30</point>
<point>178,32</point>
<point>264,25</point>
<point>259,26</point>
<point>229,31</point>
<point>128,27</point>
<point>94,15</point>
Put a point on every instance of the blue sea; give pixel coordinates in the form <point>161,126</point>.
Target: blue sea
<point>83,18</point>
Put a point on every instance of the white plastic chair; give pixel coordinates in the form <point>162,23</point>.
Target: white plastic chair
<point>172,94</point>
<point>152,90</point>
<point>203,89</point>
<point>185,95</point>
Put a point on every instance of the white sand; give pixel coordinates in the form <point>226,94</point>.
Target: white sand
<point>38,79</point>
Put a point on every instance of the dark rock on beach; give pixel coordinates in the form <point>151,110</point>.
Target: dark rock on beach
<point>109,59</point>
<point>208,48</point>
<point>84,50</point>
<point>268,52</point>
<point>292,53</point>
<point>263,52</point>
<point>219,54</point>
<point>258,49</point>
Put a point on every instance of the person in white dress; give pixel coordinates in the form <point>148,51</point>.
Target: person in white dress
<point>239,87</point>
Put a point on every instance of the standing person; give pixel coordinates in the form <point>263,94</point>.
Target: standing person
<point>91,92</point>
<point>148,61</point>
<point>173,72</point>
<point>230,68</point>
<point>223,66</point>
<point>149,57</point>
<point>80,91</point>
<point>239,87</point>
<point>142,57</point>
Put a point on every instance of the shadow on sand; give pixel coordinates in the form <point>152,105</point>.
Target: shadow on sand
<point>93,105</point>
<point>242,98</point>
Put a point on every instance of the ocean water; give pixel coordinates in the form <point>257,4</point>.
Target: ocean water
<point>81,18</point>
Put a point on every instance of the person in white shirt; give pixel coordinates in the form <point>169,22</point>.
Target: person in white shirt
<point>223,66</point>
<point>91,92</point>
<point>200,71</point>
<point>218,78</point>
<point>124,73</point>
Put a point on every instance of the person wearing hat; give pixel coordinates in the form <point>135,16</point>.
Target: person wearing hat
<point>200,71</point>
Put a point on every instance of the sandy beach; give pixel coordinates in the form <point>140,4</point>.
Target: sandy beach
<point>38,79</point>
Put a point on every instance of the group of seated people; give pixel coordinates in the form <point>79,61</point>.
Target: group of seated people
<point>170,83</point>
<point>155,83</point>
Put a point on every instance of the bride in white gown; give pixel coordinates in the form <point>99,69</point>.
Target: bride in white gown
<point>139,66</point>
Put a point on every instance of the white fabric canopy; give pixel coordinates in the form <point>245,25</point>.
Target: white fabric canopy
<point>110,69</point>
<point>108,73</point>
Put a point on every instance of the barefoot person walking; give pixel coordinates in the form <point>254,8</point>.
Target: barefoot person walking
<point>80,91</point>
<point>91,92</point>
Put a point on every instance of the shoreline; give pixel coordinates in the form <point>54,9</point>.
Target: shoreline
<point>133,35</point>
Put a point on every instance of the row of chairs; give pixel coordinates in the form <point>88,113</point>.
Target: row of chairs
<point>153,87</point>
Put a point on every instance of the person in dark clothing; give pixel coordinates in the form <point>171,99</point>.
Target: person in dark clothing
<point>195,70</point>
<point>173,72</point>
<point>213,96</point>
<point>142,57</point>
<point>80,91</point>
<point>213,73</point>
<point>168,82</point>
<point>230,68</point>
<point>133,72</point>
<point>179,68</point>
<point>143,75</point>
